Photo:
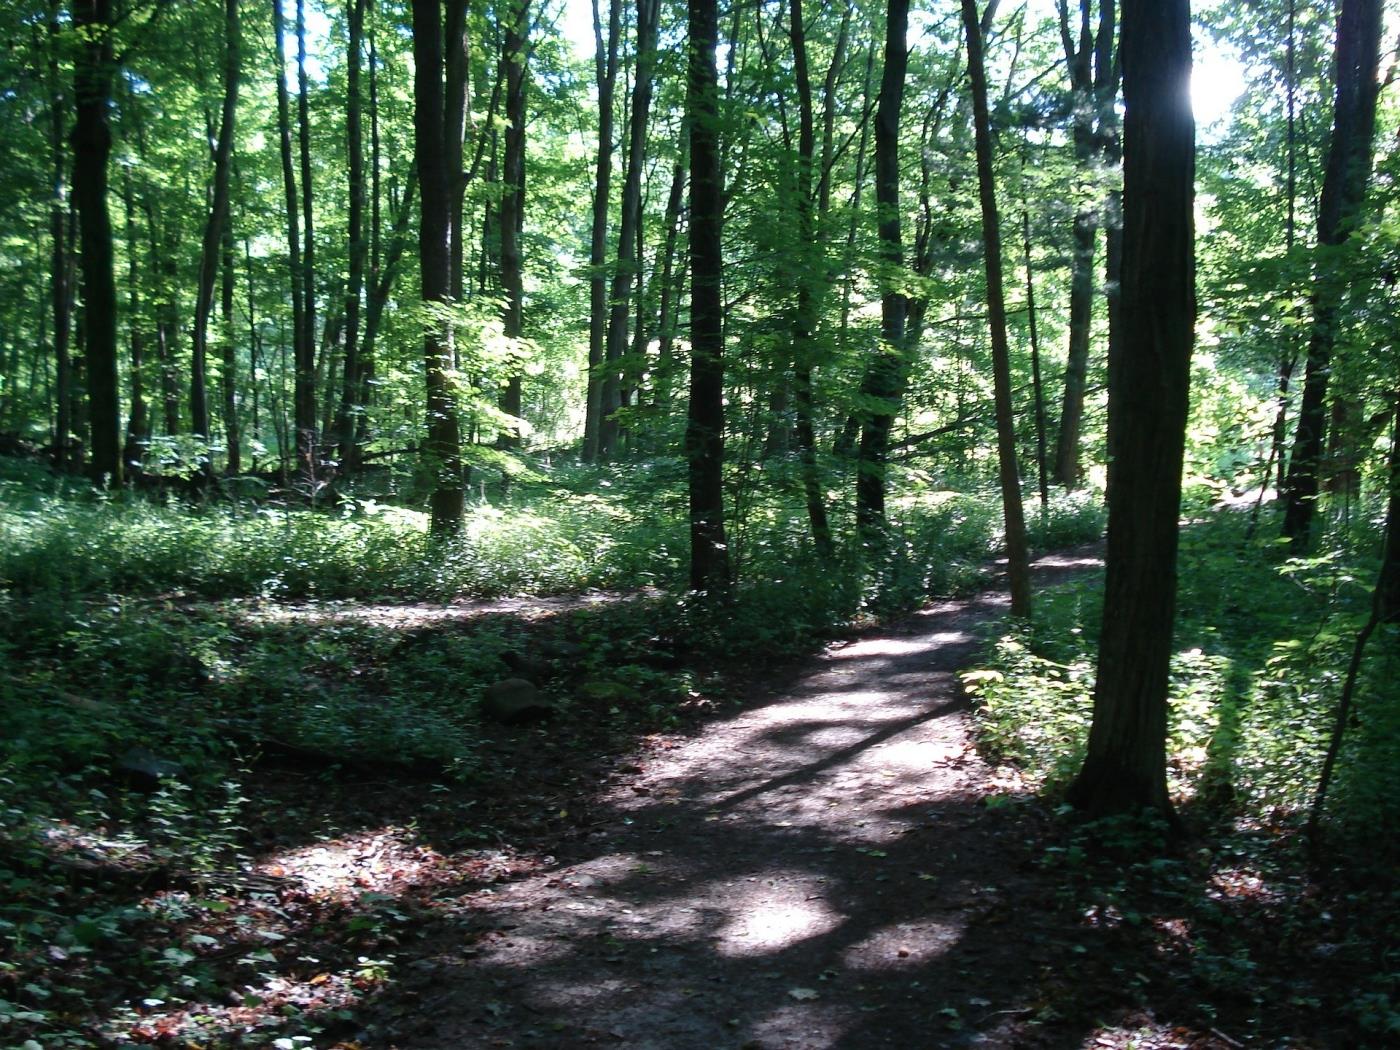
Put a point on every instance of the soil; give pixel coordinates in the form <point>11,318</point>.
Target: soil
<point>832,866</point>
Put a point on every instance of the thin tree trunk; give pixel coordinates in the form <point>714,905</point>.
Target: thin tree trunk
<point>648,12</point>
<point>303,350</point>
<point>1344,185</point>
<point>606,63</point>
<point>1042,474</point>
<point>1149,381</point>
<point>513,203</point>
<point>356,248</point>
<point>1093,85</point>
<point>233,428</point>
<point>213,243</point>
<point>92,146</point>
<point>884,377</point>
<point>308,439</point>
<point>1013,514</point>
<point>137,425</point>
<point>1288,359</point>
<point>810,266</point>
<point>60,284</point>
<point>665,319</point>
<point>704,434</point>
<point>442,448</point>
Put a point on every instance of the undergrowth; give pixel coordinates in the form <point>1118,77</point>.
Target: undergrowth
<point>1261,642</point>
<point>159,657</point>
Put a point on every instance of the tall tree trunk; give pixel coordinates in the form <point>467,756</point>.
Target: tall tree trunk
<point>1344,185</point>
<point>810,267</point>
<point>513,202</point>
<point>137,425</point>
<point>884,376</point>
<point>233,428</point>
<point>308,440</point>
<point>665,316</point>
<point>442,448</point>
<point>92,146</point>
<point>457,63</point>
<point>60,284</point>
<point>213,242</point>
<point>648,12</point>
<point>606,63</point>
<point>350,404</point>
<point>704,433</point>
<point>1093,85</point>
<point>1037,388</point>
<point>1018,560</point>
<point>380,274</point>
<point>1149,381</point>
<point>1288,358</point>
<point>303,349</point>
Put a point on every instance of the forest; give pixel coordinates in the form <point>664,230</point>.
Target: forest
<point>755,524</point>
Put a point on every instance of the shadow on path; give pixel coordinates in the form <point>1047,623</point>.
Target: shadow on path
<point>820,870</point>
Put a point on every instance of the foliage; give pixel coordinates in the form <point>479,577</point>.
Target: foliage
<point>1259,646</point>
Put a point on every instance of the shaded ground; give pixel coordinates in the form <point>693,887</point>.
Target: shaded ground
<point>833,866</point>
<point>820,870</point>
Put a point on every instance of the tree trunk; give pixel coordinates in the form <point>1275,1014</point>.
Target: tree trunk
<point>233,429</point>
<point>1093,86</point>
<point>1018,570</point>
<point>648,12</point>
<point>308,439</point>
<point>1037,389</point>
<point>606,63</point>
<point>442,448</point>
<point>303,350</point>
<point>884,377</point>
<point>138,425</point>
<point>664,387</point>
<point>513,203</point>
<point>92,146</point>
<point>350,404</point>
<point>60,284</point>
<point>213,242</point>
<point>1149,381</point>
<point>1345,181</point>
<point>704,434</point>
<point>810,267</point>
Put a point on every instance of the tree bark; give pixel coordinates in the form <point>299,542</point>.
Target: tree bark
<point>233,428</point>
<point>811,266</point>
<point>92,146</point>
<point>1344,184</point>
<point>442,448</point>
<point>138,424</point>
<point>356,248</point>
<point>60,284</point>
<point>213,242</point>
<point>704,434</point>
<point>308,438</point>
<point>648,12</point>
<point>606,63</point>
<point>884,377</point>
<point>303,350</point>
<point>513,203</point>
<point>1093,85</point>
<point>1149,380</point>
<point>1018,570</point>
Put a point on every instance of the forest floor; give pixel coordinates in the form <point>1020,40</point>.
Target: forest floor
<point>821,859</point>
<point>831,866</point>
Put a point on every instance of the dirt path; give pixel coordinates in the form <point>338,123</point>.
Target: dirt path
<point>820,870</point>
